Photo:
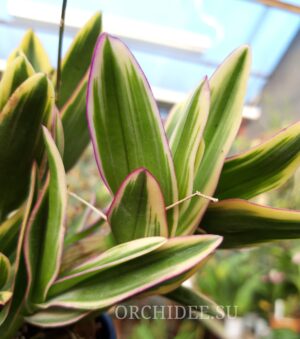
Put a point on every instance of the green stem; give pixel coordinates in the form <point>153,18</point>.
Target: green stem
<point>60,41</point>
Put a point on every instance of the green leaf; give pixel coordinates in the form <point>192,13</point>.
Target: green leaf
<point>21,117</point>
<point>197,300</point>
<point>243,223</point>
<point>55,317</point>
<point>11,316</point>
<point>173,118</point>
<point>44,239</point>
<point>186,138</point>
<point>138,209</point>
<point>75,127</point>
<point>228,88</point>
<point>15,74</point>
<point>5,297</point>
<point>9,230</point>
<point>5,274</point>
<point>262,168</point>
<point>124,122</point>
<point>172,259</point>
<point>113,257</point>
<point>78,58</point>
<point>5,270</point>
<point>32,47</point>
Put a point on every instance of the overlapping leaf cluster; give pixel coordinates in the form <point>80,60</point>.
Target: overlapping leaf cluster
<point>153,245</point>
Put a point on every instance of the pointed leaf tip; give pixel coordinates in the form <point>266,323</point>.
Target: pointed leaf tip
<point>129,126</point>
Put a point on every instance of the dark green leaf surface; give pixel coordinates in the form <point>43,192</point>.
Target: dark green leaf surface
<point>228,89</point>
<point>243,223</point>
<point>21,117</point>
<point>78,58</point>
<point>138,209</point>
<point>172,259</point>
<point>262,168</point>
<point>124,121</point>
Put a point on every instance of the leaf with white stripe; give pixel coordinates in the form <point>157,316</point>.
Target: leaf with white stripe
<point>21,138</point>
<point>243,223</point>
<point>5,270</point>
<point>187,135</point>
<point>172,259</point>
<point>228,89</point>
<point>77,60</point>
<point>32,47</point>
<point>113,257</point>
<point>9,230</point>
<point>15,74</point>
<point>44,238</point>
<point>55,317</point>
<point>125,125</point>
<point>262,168</point>
<point>138,209</point>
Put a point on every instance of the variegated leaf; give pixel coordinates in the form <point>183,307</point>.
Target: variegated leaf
<point>5,297</point>
<point>5,270</point>
<point>55,317</point>
<point>11,316</point>
<point>75,127</point>
<point>32,47</point>
<point>78,58</point>
<point>186,138</point>
<point>30,104</point>
<point>262,168</point>
<point>9,230</point>
<point>173,118</point>
<point>172,259</point>
<point>113,257</point>
<point>138,209</point>
<point>5,274</point>
<point>124,121</point>
<point>44,239</point>
<point>243,223</point>
<point>228,88</point>
<point>15,74</point>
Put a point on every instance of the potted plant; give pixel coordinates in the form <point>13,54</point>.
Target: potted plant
<point>164,218</point>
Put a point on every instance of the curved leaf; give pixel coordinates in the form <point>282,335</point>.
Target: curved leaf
<point>243,223</point>
<point>11,316</point>
<point>5,270</point>
<point>262,168</point>
<point>15,74</point>
<point>76,131</point>
<point>124,122</point>
<point>55,317</point>
<point>110,258</point>
<point>44,238</point>
<point>228,88</point>
<point>138,209</point>
<point>30,104</point>
<point>174,258</point>
<point>78,58</point>
<point>9,230</point>
<point>187,136</point>
<point>32,47</point>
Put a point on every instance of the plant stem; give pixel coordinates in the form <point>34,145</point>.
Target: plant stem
<point>60,41</point>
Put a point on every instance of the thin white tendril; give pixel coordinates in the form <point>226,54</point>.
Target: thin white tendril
<point>100,213</point>
<point>196,194</point>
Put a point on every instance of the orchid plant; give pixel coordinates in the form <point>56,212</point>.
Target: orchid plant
<point>175,194</point>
